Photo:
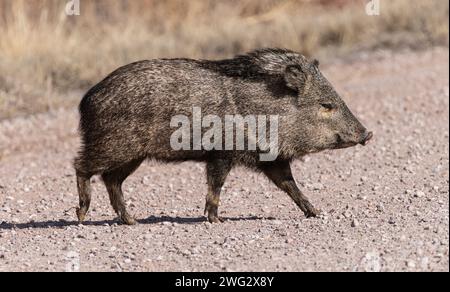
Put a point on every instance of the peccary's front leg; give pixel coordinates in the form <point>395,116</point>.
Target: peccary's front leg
<point>280,173</point>
<point>217,171</point>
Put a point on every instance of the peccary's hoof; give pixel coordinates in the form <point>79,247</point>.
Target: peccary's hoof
<point>80,214</point>
<point>128,220</point>
<point>215,219</point>
<point>312,213</point>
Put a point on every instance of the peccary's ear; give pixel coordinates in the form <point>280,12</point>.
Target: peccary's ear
<point>316,63</point>
<point>295,77</point>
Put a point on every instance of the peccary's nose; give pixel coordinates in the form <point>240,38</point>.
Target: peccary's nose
<point>367,137</point>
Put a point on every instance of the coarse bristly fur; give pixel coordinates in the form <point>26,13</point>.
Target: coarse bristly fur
<point>125,119</point>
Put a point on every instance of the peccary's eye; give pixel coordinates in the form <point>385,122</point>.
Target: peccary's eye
<point>328,106</point>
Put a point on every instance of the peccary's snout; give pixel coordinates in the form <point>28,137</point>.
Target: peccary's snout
<point>362,136</point>
<point>367,136</point>
<point>351,132</point>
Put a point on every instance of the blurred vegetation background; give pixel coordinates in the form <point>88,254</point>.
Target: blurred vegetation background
<point>47,59</point>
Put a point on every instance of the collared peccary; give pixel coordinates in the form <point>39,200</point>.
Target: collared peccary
<point>126,119</point>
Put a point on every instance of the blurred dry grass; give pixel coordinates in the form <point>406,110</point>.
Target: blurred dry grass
<point>46,57</point>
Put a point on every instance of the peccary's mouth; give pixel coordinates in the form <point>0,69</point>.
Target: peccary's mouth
<point>341,144</point>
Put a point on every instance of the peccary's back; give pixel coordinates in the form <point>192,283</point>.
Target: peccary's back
<point>129,112</point>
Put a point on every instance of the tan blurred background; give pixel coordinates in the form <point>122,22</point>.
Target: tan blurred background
<point>48,59</point>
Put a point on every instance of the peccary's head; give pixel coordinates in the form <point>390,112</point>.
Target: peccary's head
<point>319,119</point>
<point>325,121</point>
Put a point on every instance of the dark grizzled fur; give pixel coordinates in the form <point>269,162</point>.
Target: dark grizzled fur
<point>125,119</point>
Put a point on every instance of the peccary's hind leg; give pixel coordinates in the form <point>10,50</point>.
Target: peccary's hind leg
<point>84,192</point>
<point>113,181</point>
<point>280,173</point>
<point>216,172</point>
